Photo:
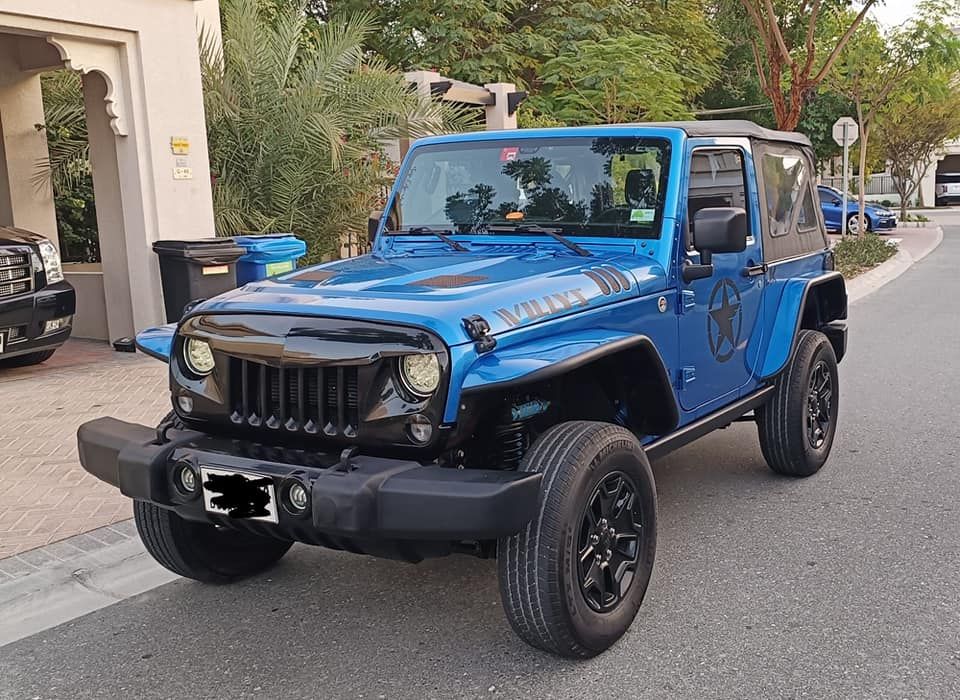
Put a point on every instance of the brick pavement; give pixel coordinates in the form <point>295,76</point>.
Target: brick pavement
<point>45,495</point>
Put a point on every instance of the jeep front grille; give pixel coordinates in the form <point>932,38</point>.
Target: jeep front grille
<point>308,400</point>
<point>16,274</point>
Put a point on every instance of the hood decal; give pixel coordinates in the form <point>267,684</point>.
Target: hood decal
<point>533,310</point>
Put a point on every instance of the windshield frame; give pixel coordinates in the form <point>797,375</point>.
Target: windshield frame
<point>603,232</point>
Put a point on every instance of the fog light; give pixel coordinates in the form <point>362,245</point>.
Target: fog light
<point>187,478</point>
<point>185,403</point>
<point>419,428</point>
<point>56,324</point>
<point>298,497</point>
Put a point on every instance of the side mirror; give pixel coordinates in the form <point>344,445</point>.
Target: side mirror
<point>837,202</point>
<point>373,223</point>
<point>716,230</point>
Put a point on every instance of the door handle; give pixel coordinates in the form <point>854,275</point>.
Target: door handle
<point>755,270</point>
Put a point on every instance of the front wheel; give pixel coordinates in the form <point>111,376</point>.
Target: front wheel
<point>202,551</point>
<point>573,579</point>
<point>853,224</point>
<point>28,360</point>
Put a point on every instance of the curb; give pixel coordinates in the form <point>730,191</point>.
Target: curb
<point>51,585</point>
<point>872,280</point>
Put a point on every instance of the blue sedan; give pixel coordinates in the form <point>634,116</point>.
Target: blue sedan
<point>831,203</point>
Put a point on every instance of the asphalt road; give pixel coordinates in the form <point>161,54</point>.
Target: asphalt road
<point>843,585</point>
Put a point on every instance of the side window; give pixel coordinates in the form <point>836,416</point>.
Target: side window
<point>826,196</point>
<point>792,220</point>
<point>717,179</point>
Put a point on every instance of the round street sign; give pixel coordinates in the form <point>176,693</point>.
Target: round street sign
<point>852,131</point>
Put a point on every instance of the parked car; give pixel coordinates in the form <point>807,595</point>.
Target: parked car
<point>543,313</point>
<point>36,304</point>
<point>947,189</point>
<point>877,218</point>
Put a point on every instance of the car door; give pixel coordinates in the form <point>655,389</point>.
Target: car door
<point>720,313</point>
<point>830,205</point>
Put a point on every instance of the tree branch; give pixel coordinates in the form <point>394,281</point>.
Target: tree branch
<point>831,59</point>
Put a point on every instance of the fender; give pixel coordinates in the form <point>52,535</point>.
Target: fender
<point>546,358</point>
<point>787,323</point>
<point>157,342</point>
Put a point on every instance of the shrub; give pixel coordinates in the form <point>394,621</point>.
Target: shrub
<point>855,255</point>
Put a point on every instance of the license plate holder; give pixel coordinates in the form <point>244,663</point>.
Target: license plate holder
<point>237,494</point>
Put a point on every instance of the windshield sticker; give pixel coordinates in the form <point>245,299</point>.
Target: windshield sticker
<point>641,216</point>
<point>509,153</point>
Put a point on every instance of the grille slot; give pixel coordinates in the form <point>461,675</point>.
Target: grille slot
<point>16,274</point>
<point>307,400</point>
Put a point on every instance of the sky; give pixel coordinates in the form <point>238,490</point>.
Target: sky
<point>893,12</point>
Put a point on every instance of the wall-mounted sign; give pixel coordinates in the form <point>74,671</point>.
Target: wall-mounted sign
<point>180,145</point>
<point>183,173</point>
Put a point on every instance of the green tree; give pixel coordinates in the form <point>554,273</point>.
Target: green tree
<point>295,127</point>
<point>794,44</point>
<point>875,65</point>
<point>524,43</point>
<point>67,170</point>
<point>919,118</point>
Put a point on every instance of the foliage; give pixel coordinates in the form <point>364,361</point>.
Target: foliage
<point>542,46</point>
<point>822,110</point>
<point>628,78</point>
<point>857,255</point>
<point>295,127</point>
<point>873,67</point>
<point>68,169</point>
<point>794,44</point>
<point>920,115</point>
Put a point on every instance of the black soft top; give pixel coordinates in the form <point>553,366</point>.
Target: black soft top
<point>733,128</point>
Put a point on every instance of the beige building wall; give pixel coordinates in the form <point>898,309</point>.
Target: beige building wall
<point>141,70</point>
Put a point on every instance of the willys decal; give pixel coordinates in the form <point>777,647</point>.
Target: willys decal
<point>533,309</point>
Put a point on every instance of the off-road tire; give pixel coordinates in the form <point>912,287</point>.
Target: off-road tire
<point>540,584</point>
<point>28,360</point>
<point>202,551</point>
<point>783,422</point>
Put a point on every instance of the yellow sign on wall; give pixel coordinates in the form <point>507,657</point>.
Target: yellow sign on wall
<point>180,145</point>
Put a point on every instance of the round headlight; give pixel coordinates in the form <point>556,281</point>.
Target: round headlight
<point>420,373</point>
<point>198,355</point>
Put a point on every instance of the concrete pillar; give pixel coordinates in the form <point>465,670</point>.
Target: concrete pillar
<point>497,113</point>
<point>111,228</point>
<point>23,201</point>
<point>927,190</point>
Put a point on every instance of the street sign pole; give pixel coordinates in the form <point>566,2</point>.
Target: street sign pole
<point>846,180</point>
<point>845,132</point>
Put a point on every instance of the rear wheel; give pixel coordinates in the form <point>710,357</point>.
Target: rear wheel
<point>202,551</point>
<point>33,358</point>
<point>797,426</point>
<point>573,579</point>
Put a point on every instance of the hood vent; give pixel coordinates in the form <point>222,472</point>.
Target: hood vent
<point>449,281</point>
<point>608,279</point>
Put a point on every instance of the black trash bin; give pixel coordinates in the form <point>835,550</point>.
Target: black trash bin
<point>197,269</point>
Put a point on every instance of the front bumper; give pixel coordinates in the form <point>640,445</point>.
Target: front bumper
<point>361,503</point>
<point>28,313</point>
<point>887,223</point>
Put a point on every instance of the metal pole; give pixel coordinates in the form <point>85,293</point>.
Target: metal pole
<point>846,182</point>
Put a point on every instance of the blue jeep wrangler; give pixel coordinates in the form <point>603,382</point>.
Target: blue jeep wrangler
<point>542,313</point>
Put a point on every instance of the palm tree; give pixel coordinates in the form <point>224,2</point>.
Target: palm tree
<point>296,118</point>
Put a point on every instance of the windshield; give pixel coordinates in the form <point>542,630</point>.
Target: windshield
<point>577,186</point>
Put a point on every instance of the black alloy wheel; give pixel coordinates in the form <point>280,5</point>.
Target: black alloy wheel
<point>609,542</point>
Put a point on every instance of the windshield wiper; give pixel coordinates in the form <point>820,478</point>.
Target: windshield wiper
<point>418,230</point>
<point>554,233</point>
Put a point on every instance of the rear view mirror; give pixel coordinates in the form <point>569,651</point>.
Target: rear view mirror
<point>373,223</point>
<point>715,230</point>
<point>719,230</point>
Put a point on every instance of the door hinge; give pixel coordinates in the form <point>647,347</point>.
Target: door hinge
<point>688,298</point>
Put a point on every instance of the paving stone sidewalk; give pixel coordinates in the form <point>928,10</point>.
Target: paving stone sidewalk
<point>45,495</point>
